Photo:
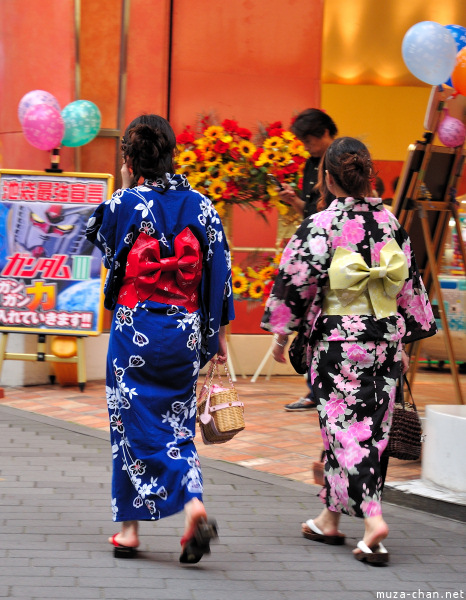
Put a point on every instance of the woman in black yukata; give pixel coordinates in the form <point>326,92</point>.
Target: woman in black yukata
<point>350,276</point>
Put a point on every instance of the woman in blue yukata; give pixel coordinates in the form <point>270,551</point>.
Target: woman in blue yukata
<point>349,277</point>
<point>169,285</point>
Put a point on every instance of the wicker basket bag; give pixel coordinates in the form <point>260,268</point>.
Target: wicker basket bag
<point>220,414</point>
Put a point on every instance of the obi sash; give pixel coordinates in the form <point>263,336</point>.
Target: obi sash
<point>172,280</point>
<point>356,289</point>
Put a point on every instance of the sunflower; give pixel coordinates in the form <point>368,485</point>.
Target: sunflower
<point>220,208</point>
<point>217,188</point>
<point>288,136</point>
<point>214,132</point>
<point>246,148</point>
<point>239,284</point>
<point>230,168</point>
<point>211,158</point>
<point>268,156</point>
<point>256,289</point>
<point>273,142</point>
<point>266,273</point>
<point>187,158</point>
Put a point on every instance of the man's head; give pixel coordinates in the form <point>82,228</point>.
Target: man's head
<point>316,130</point>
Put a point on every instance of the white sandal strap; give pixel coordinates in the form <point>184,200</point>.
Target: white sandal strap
<point>314,528</point>
<point>365,548</point>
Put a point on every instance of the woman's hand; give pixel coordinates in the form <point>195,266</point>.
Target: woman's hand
<point>222,354</point>
<point>278,348</point>
<point>125,176</point>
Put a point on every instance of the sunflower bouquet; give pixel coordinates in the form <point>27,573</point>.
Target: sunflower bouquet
<point>223,163</point>
<point>219,163</point>
<point>255,283</point>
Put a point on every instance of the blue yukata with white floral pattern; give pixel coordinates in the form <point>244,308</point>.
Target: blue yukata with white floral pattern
<point>156,349</point>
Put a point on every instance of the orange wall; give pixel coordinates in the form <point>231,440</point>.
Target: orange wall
<point>246,60</point>
<point>249,60</point>
<point>36,52</point>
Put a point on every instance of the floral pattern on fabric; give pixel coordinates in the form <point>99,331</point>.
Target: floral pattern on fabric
<point>354,360</point>
<point>156,350</point>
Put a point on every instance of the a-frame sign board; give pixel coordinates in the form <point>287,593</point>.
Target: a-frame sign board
<point>424,204</point>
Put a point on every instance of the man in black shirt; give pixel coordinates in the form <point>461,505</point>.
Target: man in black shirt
<point>317,131</point>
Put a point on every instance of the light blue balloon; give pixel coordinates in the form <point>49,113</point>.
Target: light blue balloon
<point>459,35</point>
<point>82,123</point>
<point>429,51</point>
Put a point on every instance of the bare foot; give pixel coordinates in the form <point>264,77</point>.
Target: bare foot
<point>194,512</point>
<point>128,536</point>
<point>376,530</point>
<point>327,522</point>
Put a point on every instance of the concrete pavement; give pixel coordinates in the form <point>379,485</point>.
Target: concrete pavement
<point>55,519</point>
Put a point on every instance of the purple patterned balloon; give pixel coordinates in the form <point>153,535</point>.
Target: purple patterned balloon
<point>43,127</point>
<point>451,131</point>
<point>32,99</point>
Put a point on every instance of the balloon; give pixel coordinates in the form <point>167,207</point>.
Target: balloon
<point>32,99</point>
<point>43,126</point>
<point>82,123</point>
<point>429,52</point>
<point>458,77</point>
<point>451,131</point>
<point>459,35</point>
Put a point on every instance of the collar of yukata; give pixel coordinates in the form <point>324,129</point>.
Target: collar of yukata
<point>362,204</point>
<point>175,181</point>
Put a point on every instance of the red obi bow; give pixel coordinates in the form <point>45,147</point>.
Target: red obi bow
<point>172,280</point>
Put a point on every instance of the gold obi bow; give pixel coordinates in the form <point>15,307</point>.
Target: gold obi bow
<point>350,276</point>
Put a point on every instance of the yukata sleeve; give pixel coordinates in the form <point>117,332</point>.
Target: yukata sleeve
<point>216,297</point>
<point>298,287</point>
<point>104,231</point>
<point>413,301</point>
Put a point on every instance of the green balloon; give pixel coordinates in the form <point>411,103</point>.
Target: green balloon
<point>82,123</point>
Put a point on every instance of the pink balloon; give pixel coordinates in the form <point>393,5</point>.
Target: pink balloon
<point>451,131</point>
<point>43,127</point>
<point>32,99</point>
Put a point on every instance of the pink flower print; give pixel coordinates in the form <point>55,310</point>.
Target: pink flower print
<point>351,456</point>
<point>356,354</point>
<point>287,254</point>
<point>339,240</point>
<point>406,247</point>
<point>338,489</point>
<point>406,294</point>
<point>323,219</point>
<point>421,311</point>
<point>361,430</point>
<point>375,252</point>
<point>340,382</point>
<point>371,508</point>
<point>301,274</point>
<point>335,335</point>
<point>335,406</point>
<point>353,324</point>
<point>280,317</point>
<point>325,439</point>
<point>382,216</point>
<point>318,245</point>
<point>353,231</point>
<point>381,445</point>
<point>308,292</point>
<point>345,437</point>
<point>350,399</point>
<point>313,374</point>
